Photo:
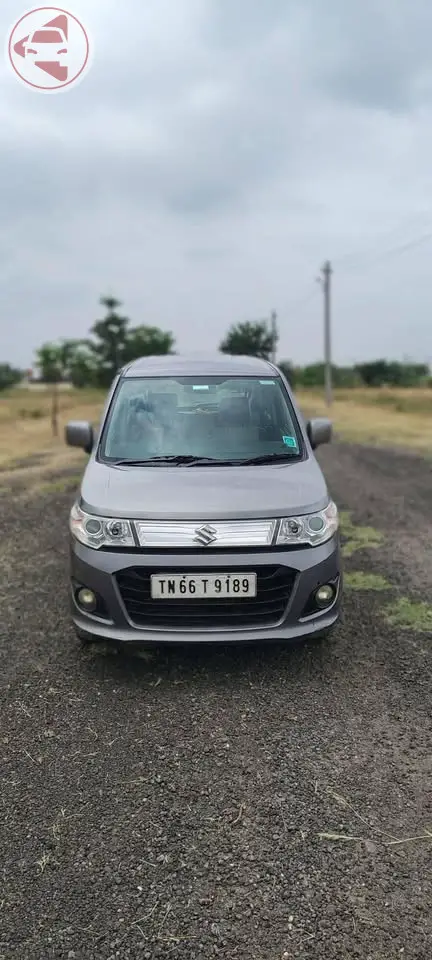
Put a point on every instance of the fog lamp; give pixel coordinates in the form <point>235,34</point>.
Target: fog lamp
<point>325,595</point>
<point>87,599</point>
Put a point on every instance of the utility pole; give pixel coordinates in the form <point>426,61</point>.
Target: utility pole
<point>327,272</point>
<point>274,334</point>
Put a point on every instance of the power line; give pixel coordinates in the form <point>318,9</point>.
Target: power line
<point>295,308</point>
<point>387,254</point>
<point>354,255</point>
<point>397,251</point>
<point>325,281</point>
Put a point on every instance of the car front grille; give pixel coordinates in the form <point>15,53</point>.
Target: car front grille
<point>274,587</point>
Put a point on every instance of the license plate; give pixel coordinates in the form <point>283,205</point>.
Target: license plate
<point>204,585</point>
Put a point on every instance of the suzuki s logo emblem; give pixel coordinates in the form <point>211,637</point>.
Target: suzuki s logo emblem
<point>205,535</point>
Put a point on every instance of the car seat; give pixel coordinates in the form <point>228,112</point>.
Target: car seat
<point>234,412</point>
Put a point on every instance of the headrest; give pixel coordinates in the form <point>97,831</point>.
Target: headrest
<point>235,409</point>
<point>163,399</point>
<point>234,405</point>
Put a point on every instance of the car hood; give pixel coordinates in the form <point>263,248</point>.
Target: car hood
<point>204,493</point>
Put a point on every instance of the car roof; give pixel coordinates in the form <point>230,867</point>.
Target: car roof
<point>200,365</point>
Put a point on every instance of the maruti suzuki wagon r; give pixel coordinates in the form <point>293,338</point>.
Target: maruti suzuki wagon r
<point>203,514</point>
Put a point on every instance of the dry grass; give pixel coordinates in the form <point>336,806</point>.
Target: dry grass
<point>384,417</point>
<point>25,427</point>
<point>396,418</point>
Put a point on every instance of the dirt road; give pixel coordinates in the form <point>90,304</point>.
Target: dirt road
<point>244,804</point>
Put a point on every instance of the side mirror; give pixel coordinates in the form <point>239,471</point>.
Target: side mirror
<point>319,431</point>
<point>79,433</point>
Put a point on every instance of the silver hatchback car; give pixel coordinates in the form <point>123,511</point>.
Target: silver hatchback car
<point>203,514</point>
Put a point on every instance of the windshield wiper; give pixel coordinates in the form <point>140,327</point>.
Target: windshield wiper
<point>181,460</point>
<point>191,461</point>
<point>267,458</point>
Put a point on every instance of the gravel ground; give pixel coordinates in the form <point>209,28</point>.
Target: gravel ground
<point>175,807</point>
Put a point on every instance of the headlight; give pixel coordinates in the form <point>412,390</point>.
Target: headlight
<point>99,532</point>
<point>312,530</point>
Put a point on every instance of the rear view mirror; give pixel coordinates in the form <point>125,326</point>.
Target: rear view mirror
<point>79,433</point>
<point>319,431</point>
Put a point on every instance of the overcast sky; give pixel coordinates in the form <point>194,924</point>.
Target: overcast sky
<point>215,154</point>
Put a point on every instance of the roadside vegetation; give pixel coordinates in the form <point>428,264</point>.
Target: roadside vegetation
<point>395,418</point>
<point>384,416</point>
<point>382,402</point>
<point>399,611</point>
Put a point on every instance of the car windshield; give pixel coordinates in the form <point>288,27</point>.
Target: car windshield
<point>218,419</point>
<point>47,36</point>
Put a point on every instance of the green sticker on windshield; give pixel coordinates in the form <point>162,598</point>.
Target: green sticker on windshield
<point>200,386</point>
<point>267,382</point>
<point>290,442</point>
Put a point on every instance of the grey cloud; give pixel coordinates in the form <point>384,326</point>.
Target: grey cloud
<point>209,254</point>
<point>203,162</point>
<point>207,158</point>
<point>238,23</point>
<point>373,54</point>
<point>370,54</point>
<point>226,152</point>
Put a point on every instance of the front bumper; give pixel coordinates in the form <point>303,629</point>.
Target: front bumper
<point>308,569</point>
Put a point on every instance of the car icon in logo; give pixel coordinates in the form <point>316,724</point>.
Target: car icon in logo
<point>49,49</point>
<point>46,44</point>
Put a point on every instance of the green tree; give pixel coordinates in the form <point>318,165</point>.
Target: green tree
<point>114,343</point>
<point>347,377</point>
<point>373,373</point>
<point>58,362</point>
<point>289,372</point>
<point>313,375</point>
<point>406,374</point>
<point>9,376</point>
<point>109,341</point>
<point>57,359</point>
<point>147,342</point>
<point>82,366</point>
<point>50,360</point>
<point>392,373</point>
<point>249,339</point>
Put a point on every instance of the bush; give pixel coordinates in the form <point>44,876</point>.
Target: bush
<point>9,376</point>
<point>35,413</point>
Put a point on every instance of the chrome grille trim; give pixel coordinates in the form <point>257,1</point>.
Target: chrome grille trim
<point>234,533</point>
